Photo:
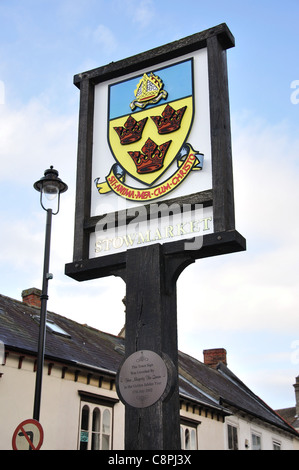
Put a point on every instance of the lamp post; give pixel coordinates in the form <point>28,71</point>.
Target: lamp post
<point>50,188</point>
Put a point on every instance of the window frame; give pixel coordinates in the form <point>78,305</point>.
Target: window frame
<point>233,438</point>
<point>93,402</point>
<point>256,445</point>
<point>191,426</point>
<point>276,444</point>
<point>53,327</point>
<point>94,431</point>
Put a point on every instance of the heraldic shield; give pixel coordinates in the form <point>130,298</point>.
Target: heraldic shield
<point>149,120</point>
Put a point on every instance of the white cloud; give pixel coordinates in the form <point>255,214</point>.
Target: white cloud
<point>2,92</point>
<point>23,244</point>
<point>32,138</point>
<point>144,12</point>
<point>138,14</point>
<point>105,37</point>
<point>274,387</point>
<point>257,289</point>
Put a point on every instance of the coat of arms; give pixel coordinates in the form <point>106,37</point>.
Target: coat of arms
<point>147,134</point>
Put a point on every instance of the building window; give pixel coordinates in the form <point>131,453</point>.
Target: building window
<point>188,437</point>
<point>53,327</point>
<point>276,445</point>
<point>256,441</point>
<point>232,434</point>
<point>84,428</point>
<point>95,427</point>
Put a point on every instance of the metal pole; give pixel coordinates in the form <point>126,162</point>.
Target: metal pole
<point>43,318</point>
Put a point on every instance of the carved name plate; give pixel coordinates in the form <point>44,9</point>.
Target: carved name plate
<point>142,379</point>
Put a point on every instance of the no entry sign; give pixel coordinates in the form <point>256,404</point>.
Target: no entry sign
<point>28,435</point>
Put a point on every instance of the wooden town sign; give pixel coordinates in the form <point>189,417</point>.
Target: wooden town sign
<point>154,193</point>
<point>154,156</point>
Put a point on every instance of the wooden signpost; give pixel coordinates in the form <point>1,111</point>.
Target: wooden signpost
<point>154,194</point>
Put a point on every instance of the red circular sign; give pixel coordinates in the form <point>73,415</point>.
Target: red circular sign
<point>29,435</point>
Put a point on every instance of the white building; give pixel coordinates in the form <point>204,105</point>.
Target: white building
<point>80,408</point>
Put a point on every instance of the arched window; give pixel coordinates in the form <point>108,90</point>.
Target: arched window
<point>84,428</point>
<point>193,439</point>
<point>188,437</point>
<point>106,430</point>
<point>96,420</point>
<point>95,427</point>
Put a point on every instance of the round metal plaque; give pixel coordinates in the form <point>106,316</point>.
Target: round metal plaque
<point>142,379</point>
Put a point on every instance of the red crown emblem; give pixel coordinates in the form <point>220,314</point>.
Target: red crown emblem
<point>170,120</point>
<point>132,130</point>
<point>152,158</point>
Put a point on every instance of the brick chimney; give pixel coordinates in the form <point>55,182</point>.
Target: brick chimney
<point>32,297</point>
<point>213,356</point>
<point>296,386</point>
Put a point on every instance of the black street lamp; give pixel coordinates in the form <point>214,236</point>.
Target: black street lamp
<point>50,188</point>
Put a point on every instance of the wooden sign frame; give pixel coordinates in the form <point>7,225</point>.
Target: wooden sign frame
<point>225,238</point>
<point>151,271</point>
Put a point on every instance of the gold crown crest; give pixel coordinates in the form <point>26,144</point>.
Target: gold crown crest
<point>148,91</point>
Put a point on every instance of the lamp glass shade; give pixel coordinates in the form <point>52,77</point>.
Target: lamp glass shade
<point>50,188</point>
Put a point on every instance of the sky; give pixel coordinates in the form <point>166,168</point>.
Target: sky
<point>244,302</point>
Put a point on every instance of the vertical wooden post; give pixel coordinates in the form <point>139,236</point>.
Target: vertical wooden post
<point>85,141</point>
<point>151,323</point>
<point>223,191</point>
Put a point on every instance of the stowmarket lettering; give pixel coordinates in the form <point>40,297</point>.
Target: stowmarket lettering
<point>122,239</point>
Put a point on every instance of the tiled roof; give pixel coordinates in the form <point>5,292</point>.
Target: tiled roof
<point>228,390</point>
<point>19,328</point>
<point>289,414</point>
<point>84,346</point>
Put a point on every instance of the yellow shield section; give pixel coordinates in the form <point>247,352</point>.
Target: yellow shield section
<point>176,138</point>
